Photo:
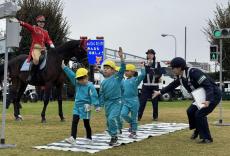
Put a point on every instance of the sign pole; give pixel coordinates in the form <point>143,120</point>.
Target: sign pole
<point>2,144</point>
<point>220,104</point>
<point>220,122</point>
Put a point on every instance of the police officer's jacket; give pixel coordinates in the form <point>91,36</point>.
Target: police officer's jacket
<point>192,79</point>
<point>153,74</point>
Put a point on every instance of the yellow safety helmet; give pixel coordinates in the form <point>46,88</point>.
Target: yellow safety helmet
<point>110,63</point>
<point>117,68</point>
<point>81,72</point>
<point>130,67</point>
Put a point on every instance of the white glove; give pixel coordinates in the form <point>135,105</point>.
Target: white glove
<point>155,94</point>
<point>98,109</point>
<point>63,64</point>
<point>87,107</point>
<point>52,46</point>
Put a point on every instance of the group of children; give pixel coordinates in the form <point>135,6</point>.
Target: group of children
<point>117,95</point>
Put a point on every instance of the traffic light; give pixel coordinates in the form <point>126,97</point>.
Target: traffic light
<point>221,33</point>
<point>214,53</point>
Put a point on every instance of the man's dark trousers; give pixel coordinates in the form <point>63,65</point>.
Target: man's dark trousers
<point>198,118</point>
<point>146,93</point>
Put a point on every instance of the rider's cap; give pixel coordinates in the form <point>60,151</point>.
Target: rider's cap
<point>130,67</point>
<point>178,62</point>
<point>40,18</point>
<point>81,72</point>
<point>110,63</point>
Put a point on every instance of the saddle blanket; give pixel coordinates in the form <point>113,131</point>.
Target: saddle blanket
<point>26,64</point>
<point>100,141</point>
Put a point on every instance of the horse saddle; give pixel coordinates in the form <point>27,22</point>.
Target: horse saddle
<point>42,63</point>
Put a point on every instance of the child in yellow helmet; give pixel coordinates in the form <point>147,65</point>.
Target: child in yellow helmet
<point>110,95</point>
<point>85,97</point>
<point>119,119</point>
<point>130,97</point>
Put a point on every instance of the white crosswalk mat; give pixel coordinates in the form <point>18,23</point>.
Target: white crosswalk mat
<point>100,141</point>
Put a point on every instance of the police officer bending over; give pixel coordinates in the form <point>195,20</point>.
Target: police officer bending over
<point>191,79</point>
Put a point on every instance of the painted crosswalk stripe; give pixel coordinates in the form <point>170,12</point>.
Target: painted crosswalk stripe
<point>100,141</point>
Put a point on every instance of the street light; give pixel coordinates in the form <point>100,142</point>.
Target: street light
<point>164,35</point>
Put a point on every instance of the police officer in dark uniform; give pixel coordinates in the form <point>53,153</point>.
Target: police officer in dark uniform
<point>191,79</point>
<point>150,84</point>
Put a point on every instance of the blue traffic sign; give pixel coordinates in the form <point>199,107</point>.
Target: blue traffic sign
<point>95,51</point>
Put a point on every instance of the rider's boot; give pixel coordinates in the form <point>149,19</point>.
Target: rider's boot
<point>33,71</point>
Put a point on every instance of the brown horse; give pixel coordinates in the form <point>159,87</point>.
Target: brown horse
<point>51,75</point>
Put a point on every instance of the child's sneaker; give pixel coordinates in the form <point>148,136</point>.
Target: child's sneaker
<point>71,140</point>
<point>113,141</point>
<point>133,135</point>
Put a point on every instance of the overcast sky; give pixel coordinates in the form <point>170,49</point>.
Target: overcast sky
<point>137,25</point>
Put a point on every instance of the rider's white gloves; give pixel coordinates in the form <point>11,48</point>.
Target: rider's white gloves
<point>52,46</point>
<point>63,64</point>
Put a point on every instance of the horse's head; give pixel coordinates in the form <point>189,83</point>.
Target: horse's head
<point>74,48</point>
<point>83,47</point>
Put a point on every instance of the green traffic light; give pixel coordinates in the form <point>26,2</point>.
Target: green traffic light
<point>213,56</point>
<point>217,33</point>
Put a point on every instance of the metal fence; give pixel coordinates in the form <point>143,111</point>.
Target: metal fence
<point>113,54</point>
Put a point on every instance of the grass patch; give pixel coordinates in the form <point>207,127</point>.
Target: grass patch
<point>31,132</point>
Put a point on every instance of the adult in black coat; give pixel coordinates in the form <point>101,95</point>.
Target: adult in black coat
<point>192,79</point>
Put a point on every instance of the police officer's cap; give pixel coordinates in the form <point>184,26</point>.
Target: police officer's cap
<point>178,62</point>
<point>151,51</point>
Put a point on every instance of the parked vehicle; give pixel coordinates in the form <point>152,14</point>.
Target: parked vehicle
<point>30,94</point>
<point>225,90</point>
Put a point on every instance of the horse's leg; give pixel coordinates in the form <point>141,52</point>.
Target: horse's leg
<point>13,96</point>
<point>46,102</point>
<point>16,106</point>
<point>59,98</point>
<point>21,90</point>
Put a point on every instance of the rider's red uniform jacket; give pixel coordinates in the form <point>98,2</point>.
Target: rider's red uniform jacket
<point>39,36</point>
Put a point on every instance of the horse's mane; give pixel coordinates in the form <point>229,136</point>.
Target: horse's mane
<point>68,45</point>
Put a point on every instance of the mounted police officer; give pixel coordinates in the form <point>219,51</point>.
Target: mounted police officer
<point>39,37</point>
<point>191,79</point>
<point>150,84</point>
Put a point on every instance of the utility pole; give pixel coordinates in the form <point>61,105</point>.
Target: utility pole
<point>185,43</point>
